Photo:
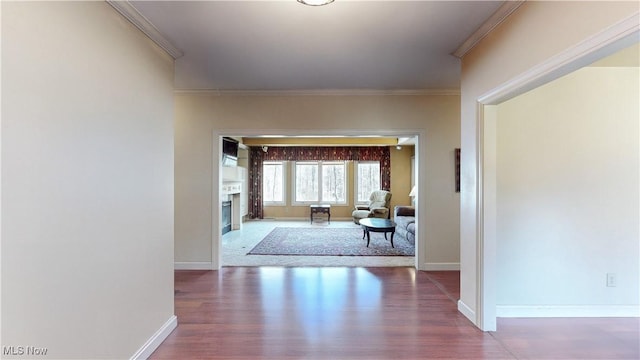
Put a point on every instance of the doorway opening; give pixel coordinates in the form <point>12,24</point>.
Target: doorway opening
<point>562,64</point>
<point>256,228</point>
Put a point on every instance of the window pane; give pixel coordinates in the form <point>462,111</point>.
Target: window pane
<point>307,182</point>
<point>333,183</point>
<point>272,182</point>
<point>368,180</point>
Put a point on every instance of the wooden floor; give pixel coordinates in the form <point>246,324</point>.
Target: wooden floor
<point>364,313</point>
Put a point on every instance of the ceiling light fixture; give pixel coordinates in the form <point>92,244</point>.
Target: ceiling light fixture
<point>315,2</point>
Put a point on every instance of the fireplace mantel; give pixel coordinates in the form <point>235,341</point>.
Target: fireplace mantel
<point>231,187</point>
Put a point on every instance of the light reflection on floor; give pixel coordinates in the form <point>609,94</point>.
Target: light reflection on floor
<point>320,297</point>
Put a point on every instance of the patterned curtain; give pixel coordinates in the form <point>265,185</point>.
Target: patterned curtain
<point>255,182</point>
<point>312,153</point>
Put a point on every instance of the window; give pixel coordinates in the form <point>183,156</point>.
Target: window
<point>273,182</point>
<point>367,180</point>
<point>320,181</point>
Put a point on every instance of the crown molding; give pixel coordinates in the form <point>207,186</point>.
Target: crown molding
<point>138,20</point>
<point>325,92</point>
<point>492,22</point>
<point>618,36</point>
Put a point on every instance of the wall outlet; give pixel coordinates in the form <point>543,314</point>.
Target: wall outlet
<point>611,280</point>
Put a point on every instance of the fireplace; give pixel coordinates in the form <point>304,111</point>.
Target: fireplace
<point>226,217</point>
<point>231,194</point>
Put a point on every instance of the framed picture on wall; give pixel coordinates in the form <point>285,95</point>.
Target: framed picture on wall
<point>457,167</point>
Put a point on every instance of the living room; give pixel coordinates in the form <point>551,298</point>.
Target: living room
<point>283,200</point>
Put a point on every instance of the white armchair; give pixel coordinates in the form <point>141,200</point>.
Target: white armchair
<point>378,207</point>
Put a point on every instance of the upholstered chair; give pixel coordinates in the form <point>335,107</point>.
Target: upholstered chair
<point>378,207</point>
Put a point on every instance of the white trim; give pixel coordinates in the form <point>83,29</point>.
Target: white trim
<point>356,178</point>
<point>482,259</point>
<point>306,219</point>
<point>466,311</point>
<point>617,36</point>
<point>492,22</point>
<point>143,24</point>
<point>608,41</point>
<point>442,266</point>
<point>1,177</point>
<point>420,150</point>
<point>509,311</point>
<point>193,265</point>
<point>319,164</point>
<point>486,218</point>
<point>284,174</point>
<point>154,341</point>
<point>323,92</point>
<point>320,132</point>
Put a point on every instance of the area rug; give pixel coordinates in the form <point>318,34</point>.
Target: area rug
<point>329,242</point>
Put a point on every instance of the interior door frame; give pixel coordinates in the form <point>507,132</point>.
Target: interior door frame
<point>216,200</point>
<point>622,34</point>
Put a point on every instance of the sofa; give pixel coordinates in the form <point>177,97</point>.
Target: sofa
<point>404,217</point>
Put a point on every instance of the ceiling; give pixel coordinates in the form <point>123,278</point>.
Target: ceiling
<point>287,46</point>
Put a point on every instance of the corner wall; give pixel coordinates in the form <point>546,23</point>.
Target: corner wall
<point>87,183</point>
<point>534,33</point>
<point>568,170</point>
<point>198,115</point>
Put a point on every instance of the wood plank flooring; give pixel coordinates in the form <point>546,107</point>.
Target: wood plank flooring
<point>363,313</point>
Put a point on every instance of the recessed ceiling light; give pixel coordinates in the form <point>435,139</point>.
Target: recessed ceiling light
<point>315,2</point>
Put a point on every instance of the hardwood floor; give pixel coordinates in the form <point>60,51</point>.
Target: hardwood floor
<point>571,338</point>
<point>364,313</point>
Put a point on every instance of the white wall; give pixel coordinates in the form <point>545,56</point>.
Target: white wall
<point>198,115</point>
<point>534,33</point>
<point>567,196</point>
<point>87,181</point>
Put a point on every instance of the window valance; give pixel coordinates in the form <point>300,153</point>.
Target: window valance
<point>325,153</point>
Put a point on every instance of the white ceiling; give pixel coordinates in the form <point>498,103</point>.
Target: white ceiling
<point>284,45</point>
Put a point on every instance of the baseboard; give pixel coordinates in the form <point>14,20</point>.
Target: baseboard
<point>287,218</point>
<point>441,267</point>
<point>203,265</point>
<point>316,219</point>
<point>154,341</point>
<point>510,311</point>
<point>466,311</point>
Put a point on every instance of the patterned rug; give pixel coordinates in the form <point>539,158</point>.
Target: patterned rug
<point>329,241</point>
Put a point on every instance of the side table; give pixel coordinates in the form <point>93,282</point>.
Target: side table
<point>320,209</point>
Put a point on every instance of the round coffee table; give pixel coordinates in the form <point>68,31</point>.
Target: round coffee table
<point>377,225</point>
